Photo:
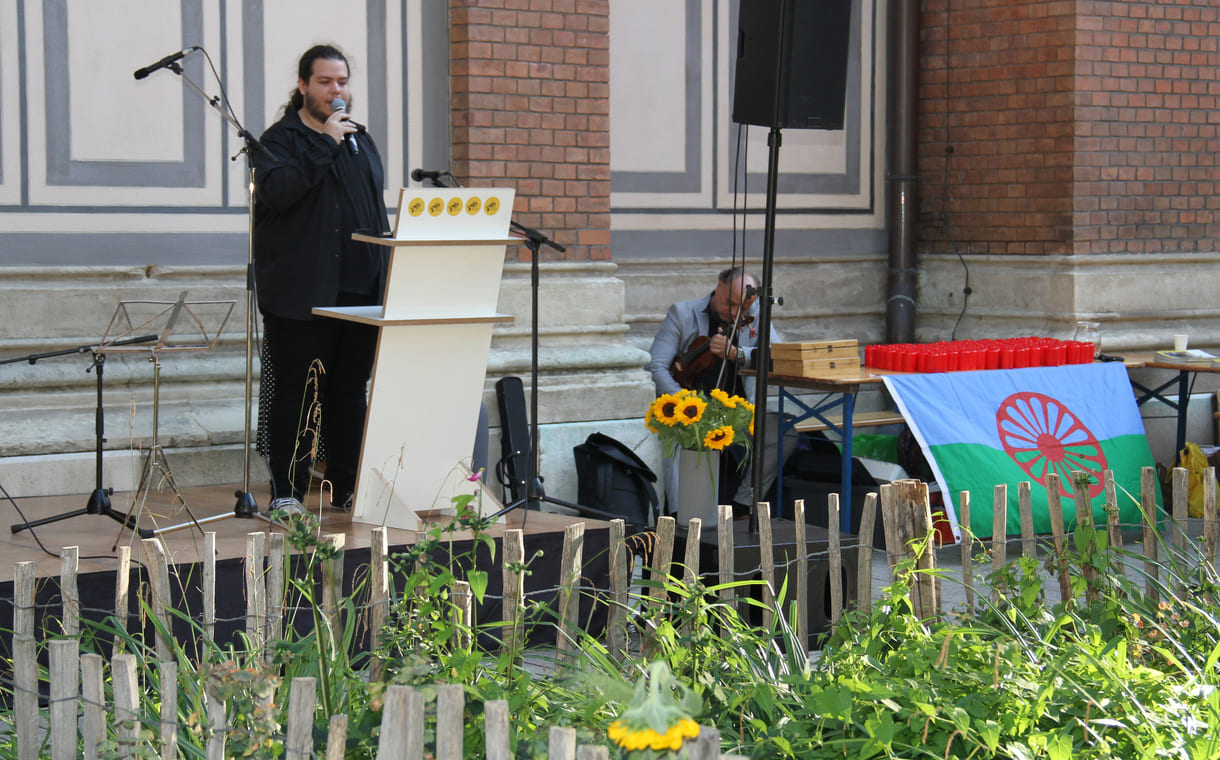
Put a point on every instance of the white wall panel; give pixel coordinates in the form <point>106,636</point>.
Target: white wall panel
<point>84,147</point>
<point>237,175</point>
<point>662,86</point>
<point>648,89</point>
<point>673,141</point>
<point>848,154</point>
<point>138,154</point>
<point>10,93</point>
<point>113,116</point>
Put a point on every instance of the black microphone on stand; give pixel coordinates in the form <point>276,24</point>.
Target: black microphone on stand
<point>338,105</point>
<point>419,175</point>
<point>167,60</point>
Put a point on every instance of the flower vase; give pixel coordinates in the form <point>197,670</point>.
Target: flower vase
<point>698,486</point>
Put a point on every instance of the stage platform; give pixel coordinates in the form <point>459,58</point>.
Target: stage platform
<point>98,536</point>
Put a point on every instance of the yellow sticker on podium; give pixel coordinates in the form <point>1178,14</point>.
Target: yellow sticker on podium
<point>415,207</point>
<point>491,206</point>
<point>455,206</point>
<point>436,206</point>
<point>473,204</point>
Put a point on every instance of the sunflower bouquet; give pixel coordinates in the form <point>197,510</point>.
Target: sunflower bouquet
<point>658,721</point>
<point>700,421</point>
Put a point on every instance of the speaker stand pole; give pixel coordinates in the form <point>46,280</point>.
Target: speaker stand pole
<point>763,349</point>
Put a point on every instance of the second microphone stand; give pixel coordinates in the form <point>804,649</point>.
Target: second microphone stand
<point>534,492</point>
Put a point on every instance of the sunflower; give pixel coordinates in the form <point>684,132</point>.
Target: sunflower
<point>648,738</point>
<point>665,409</point>
<point>690,410</point>
<point>650,420</point>
<point>700,414</point>
<point>719,438</point>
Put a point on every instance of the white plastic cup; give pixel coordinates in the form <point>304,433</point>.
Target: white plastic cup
<point>1180,342</point>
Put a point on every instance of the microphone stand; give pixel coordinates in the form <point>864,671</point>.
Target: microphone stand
<point>534,493</point>
<point>245,506</point>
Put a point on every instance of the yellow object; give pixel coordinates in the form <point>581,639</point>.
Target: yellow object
<point>699,422</point>
<point>1196,464</point>
<point>648,738</point>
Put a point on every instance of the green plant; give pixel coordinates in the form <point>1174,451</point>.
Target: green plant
<point>1123,674</point>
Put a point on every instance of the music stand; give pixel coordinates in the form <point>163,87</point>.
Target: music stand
<point>182,329</point>
<point>99,499</point>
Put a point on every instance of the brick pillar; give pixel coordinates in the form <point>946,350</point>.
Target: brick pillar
<point>530,105</point>
<point>1086,127</point>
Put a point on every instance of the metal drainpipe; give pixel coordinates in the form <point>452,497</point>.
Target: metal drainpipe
<point>901,189</point>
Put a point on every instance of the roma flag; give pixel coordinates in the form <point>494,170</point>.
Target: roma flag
<point>978,429</point>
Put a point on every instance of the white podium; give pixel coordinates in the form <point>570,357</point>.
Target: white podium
<point>446,259</point>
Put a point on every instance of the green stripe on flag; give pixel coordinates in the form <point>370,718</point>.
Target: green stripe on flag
<point>977,469</point>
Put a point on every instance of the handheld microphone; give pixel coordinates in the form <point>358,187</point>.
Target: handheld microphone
<point>166,61</point>
<point>338,105</point>
<point>419,175</point>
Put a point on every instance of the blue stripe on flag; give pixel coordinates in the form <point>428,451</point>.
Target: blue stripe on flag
<point>1088,390</point>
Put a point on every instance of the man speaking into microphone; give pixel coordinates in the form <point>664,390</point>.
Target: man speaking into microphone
<point>319,180</point>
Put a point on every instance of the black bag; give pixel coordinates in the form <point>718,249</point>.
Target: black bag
<point>611,478</point>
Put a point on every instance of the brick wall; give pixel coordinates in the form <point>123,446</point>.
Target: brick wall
<point>530,104</point>
<point>995,125</point>
<point>1069,127</point>
<point>1147,87</point>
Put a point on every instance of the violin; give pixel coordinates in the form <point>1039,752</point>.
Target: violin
<point>697,359</point>
<point>686,367</point>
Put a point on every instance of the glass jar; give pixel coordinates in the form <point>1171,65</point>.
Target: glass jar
<point>1089,332</point>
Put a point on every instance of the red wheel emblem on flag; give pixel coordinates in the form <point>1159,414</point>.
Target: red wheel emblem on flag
<point>1043,436</point>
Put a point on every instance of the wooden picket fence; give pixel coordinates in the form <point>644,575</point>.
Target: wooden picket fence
<point>906,517</point>
<point>402,722</point>
<point>77,680</point>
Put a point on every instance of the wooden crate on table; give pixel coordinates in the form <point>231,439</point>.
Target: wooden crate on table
<point>816,359</point>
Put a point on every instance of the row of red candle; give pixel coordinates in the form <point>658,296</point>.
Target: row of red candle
<point>954,356</point>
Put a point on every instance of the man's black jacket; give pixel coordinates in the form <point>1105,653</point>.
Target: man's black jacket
<point>297,217</point>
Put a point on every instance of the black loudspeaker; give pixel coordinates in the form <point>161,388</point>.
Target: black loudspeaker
<point>808,51</point>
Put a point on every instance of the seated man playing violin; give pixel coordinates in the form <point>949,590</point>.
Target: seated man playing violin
<point>701,345</point>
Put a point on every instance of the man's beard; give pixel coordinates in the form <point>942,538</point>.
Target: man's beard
<point>319,109</point>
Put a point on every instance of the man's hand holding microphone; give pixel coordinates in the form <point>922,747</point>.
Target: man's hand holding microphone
<point>341,127</point>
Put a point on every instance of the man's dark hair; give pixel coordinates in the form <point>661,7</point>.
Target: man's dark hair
<point>305,70</point>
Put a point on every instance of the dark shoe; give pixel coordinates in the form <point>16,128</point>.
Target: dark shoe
<point>342,502</point>
<point>287,505</point>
